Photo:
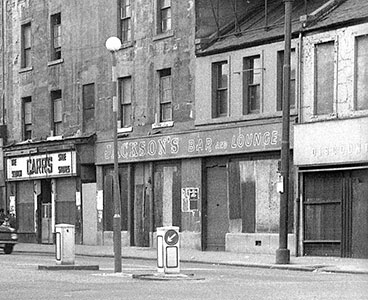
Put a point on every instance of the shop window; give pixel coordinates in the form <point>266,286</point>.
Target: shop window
<point>125,21</point>
<point>220,79</point>
<point>165,95</point>
<point>164,21</point>
<point>26,45</point>
<point>56,36</point>
<point>27,118</point>
<point>57,112</point>
<point>361,72</point>
<point>88,107</point>
<point>252,79</point>
<point>252,198</point>
<point>324,78</point>
<point>280,79</point>
<point>125,100</point>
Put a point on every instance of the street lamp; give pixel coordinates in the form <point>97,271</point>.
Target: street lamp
<point>113,44</point>
<point>283,253</point>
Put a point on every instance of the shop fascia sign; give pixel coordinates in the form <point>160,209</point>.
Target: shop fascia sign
<point>48,165</point>
<point>204,143</point>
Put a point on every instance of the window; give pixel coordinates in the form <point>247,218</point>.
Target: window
<point>252,76</point>
<point>56,36</point>
<point>164,16</point>
<point>57,112</point>
<point>220,74</point>
<point>125,23</point>
<point>27,118</point>
<point>165,95</point>
<point>26,46</point>
<point>280,78</point>
<point>89,107</point>
<point>324,78</point>
<point>361,73</point>
<point>125,100</point>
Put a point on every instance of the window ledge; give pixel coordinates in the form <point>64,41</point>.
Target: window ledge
<point>27,69</point>
<point>55,62</point>
<point>126,44</point>
<point>164,35</point>
<point>163,124</point>
<point>125,129</point>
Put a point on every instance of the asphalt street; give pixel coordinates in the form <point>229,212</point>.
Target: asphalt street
<point>21,279</point>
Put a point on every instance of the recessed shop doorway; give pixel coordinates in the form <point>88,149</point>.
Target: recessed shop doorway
<point>44,212</point>
<point>335,209</point>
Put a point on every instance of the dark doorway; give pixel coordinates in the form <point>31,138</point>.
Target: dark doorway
<point>44,213</point>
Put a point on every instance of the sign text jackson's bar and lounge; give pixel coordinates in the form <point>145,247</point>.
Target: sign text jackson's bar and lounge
<point>195,144</point>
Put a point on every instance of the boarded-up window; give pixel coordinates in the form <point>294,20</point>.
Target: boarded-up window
<point>25,207</point>
<point>361,95</point>
<point>324,78</point>
<point>89,107</point>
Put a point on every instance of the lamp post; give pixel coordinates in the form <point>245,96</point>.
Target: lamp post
<point>283,253</point>
<point>113,44</point>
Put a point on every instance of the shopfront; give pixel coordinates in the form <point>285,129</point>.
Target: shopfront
<point>218,186</point>
<point>333,171</point>
<point>44,188</point>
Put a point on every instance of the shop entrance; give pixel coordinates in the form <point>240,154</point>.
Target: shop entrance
<point>44,213</point>
<point>336,214</point>
<point>217,224</point>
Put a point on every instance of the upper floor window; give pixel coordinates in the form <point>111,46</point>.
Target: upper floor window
<point>56,36</point>
<point>220,81</point>
<point>125,20</point>
<point>125,100</point>
<point>27,118</point>
<point>26,45</point>
<point>89,107</point>
<point>280,79</point>
<point>165,95</point>
<point>324,78</point>
<point>164,16</point>
<point>57,112</point>
<point>361,73</point>
<point>252,78</point>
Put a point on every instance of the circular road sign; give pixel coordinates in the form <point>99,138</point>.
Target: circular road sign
<point>171,237</point>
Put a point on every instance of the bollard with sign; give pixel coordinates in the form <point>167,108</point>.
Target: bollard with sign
<point>168,259</point>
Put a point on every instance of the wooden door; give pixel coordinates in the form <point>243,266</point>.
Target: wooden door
<point>359,244</point>
<point>217,207</point>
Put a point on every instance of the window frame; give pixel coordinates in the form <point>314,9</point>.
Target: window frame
<point>216,90</point>
<point>124,103</point>
<point>163,100</point>
<point>316,79</point>
<point>280,78</point>
<point>126,21</point>
<point>163,7</point>
<point>26,45</point>
<point>27,125</point>
<point>88,106</point>
<point>55,26</point>
<point>359,105</point>
<point>57,122</point>
<point>248,68</point>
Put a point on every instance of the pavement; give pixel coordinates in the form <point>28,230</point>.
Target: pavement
<point>303,263</point>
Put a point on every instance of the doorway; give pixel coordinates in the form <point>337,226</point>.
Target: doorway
<point>217,220</point>
<point>44,213</point>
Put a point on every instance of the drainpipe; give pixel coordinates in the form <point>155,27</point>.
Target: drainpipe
<point>283,253</point>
